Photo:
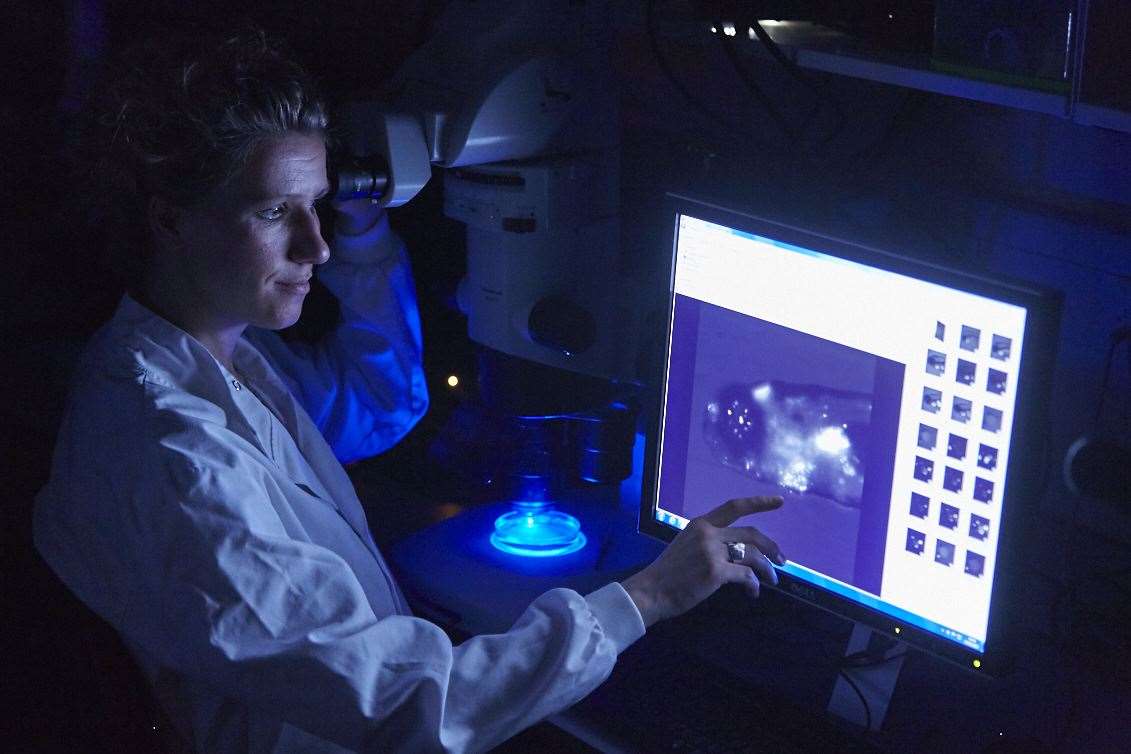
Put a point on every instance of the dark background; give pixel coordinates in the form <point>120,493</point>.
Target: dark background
<point>1002,191</point>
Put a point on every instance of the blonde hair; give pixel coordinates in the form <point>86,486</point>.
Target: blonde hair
<point>180,118</point>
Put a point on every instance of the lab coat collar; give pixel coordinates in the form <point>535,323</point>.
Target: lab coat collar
<point>174,357</point>
<point>171,356</point>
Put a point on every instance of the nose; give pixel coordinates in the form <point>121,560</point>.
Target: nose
<point>307,244</point>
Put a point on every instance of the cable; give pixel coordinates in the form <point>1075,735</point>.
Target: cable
<point>870,151</point>
<point>755,90</point>
<point>665,68</point>
<point>772,47</point>
<point>791,133</point>
<point>1118,336</point>
<point>795,71</point>
<point>912,101</point>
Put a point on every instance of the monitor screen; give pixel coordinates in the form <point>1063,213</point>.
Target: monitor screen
<point>877,394</point>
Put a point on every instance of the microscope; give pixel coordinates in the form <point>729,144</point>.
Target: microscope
<point>515,100</point>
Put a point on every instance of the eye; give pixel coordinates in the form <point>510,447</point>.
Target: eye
<point>273,213</point>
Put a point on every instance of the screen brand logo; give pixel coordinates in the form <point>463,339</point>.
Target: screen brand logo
<point>802,591</point>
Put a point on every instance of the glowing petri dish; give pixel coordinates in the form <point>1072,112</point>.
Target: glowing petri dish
<point>537,530</point>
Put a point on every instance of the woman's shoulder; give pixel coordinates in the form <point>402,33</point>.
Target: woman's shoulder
<point>137,350</point>
<point>137,369</point>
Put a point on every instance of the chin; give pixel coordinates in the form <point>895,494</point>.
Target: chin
<point>285,322</point>
<point>279,319</point>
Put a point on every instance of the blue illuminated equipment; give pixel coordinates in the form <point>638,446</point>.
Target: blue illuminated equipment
<point>535,529</point>
<point>893,403</point>
<point>540,457</point>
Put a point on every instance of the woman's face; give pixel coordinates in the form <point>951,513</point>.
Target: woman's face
<point>249,251</point>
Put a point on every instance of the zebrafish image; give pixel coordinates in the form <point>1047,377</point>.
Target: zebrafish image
<point>804,438</point>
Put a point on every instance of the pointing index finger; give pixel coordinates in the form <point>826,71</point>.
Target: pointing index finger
<point>732,510</point>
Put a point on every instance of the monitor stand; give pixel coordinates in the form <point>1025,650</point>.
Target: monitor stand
<point>875,682</point>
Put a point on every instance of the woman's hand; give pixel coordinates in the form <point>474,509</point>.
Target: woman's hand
<point>352,217</point>
<point>697,561</point>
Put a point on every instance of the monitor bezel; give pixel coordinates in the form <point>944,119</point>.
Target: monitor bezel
<point>1028,447</point>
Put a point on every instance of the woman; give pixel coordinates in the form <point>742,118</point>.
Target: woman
<point>197,500</point>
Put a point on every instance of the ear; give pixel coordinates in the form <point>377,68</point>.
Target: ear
<point>165,222</point>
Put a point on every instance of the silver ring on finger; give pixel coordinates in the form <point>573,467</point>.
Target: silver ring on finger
<point>736,551</point>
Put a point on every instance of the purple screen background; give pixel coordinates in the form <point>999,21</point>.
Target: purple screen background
<point>712,347</point>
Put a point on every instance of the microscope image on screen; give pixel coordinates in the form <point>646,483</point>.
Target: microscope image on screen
<point>803,438</point>
<point>769,410</point>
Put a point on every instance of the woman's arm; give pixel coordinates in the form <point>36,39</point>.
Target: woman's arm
<point>363,384</point>
<point>173,533</point>
<point>207,581</point>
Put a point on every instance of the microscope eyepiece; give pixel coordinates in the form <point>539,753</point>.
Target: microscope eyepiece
<point>359,178</point>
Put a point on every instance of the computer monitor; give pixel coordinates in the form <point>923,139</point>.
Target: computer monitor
<point>894,403</point>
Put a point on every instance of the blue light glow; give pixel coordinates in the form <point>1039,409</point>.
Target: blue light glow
<point>533,529</point>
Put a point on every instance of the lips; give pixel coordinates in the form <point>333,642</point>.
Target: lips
<point>296,286</point>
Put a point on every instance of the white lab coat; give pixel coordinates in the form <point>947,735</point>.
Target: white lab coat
<point>211,524</point>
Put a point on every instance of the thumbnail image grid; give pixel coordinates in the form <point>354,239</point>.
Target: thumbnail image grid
<point>957,486</point>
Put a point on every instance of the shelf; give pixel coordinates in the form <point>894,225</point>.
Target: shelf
<point>932,81</point>
<point>1103,117</point>
<point>821,49</point>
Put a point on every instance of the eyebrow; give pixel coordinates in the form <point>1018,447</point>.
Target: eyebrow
<point>257,198</point>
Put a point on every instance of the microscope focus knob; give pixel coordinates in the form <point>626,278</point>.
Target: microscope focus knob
<point>558,323</point>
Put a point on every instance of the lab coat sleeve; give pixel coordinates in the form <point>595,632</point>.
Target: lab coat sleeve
<point>363,384</point>
<point>223,594</point>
